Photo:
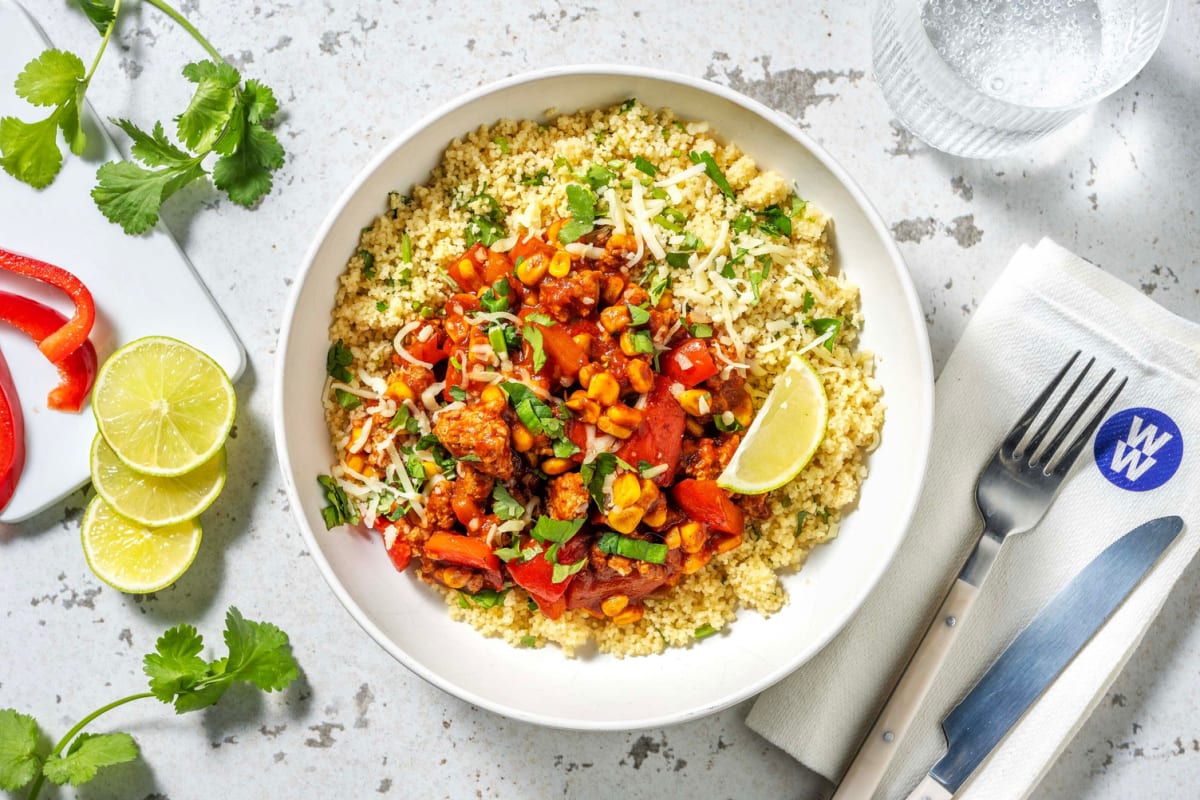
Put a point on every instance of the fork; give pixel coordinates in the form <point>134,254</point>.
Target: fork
<point>1013,492</point>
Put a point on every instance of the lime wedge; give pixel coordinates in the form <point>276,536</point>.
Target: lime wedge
<point>151,500</point>
<point>783,436</point>
<point>134,558</point>
<point>163,406</point>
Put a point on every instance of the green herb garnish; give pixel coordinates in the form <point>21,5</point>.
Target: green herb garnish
<point>638,549</point>
<point>563,571</point>
<point>347,400</point>
<point>536,179</point>
<point>825,325</point>
<point>502,143</point>
<point>458,393</point>
<point>598,176</point>
<point>339,509</point>
<point>712,171</point>
<point>504,505</point>
<point>704,631</point>
<point>582,205</point>
<point>645,166</point>
<point>337,360</point>
<point>406,249</point>
<point>678,260</point>
<point>638,315</point>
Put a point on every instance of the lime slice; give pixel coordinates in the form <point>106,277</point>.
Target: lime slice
<point>784,435</point>
<point>151,500</point>
<point>134,558</point>
<point>163,406</point>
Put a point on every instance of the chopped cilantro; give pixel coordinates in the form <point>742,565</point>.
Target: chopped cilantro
<point>563,571</point>
<point>800,517</point>
<point>347,400</point>
<point>598,176</point>
<point>638,549</point>
<point>642,342</point>
<point>627,105</point>
<point>337,359</point>
<point>458,393</point>
<point>742,223</point>
<point>557,531</point>
<point>502,143</point>
<point>775,221</point>
<point>645,166</point>
<point>678,260</point>
<point>339,509</point>
<point>595,471</point>
<point>726,427</point>
<point>504,505</point>
<point>798,205</point>
<point>658,289</point>
<point>638,315</point>
<point>582,205</point>
<point>529,640</point>
<point>381,305</point>
<point>406,249</point>
<point>533,335</point>
<point>712,171</point>
<point>701,330</point>
<point>368,261</point>
<point>486,225</point>
<point>824,325</point>
<point>484,598</point>
<point>496,340</point>
<point>536,179</point>
<point>808,303</point>
<point>565,448</point>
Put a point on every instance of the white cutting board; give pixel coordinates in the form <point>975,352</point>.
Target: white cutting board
<point>142,285</point>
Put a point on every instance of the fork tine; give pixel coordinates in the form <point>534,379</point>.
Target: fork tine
<point>1052,449</point>
<point>1044,428</point>
<point>1009,445</point>
<point>1068,458</point>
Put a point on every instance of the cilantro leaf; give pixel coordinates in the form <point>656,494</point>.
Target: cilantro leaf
<point>88,753</point>
<point>337,360</point>
<point>175,666</point>
<point>203,122</point>
<point>19,759</point>
<point>558,531</point>
<point>533,335</point>
<point>598,176</point>
<point>595,471</point>
<point>825,325</point>
<point>152,149</point>
<point>645,166</point>
<point>131,196</point>
<point>30,150</point>
<point>563,571</point>
<point>250,151</point>
<point>582,205</point>
<point>259,653</point>
<point>504,505</point>
<point>50,79</point>
<point>712,171</point>
<point>99,12</point>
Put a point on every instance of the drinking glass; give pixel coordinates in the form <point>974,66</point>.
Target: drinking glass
<point>980,78</point>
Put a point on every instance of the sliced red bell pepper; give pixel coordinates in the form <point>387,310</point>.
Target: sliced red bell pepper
<point>12,435</point>
<point>71,336</point>
<point>464,550</point>
<point>690,363</point>
<point>431,350</point>
<point>77,370</point>
<point>566,354</point>
<point>659,439</point>
<point>709,504</point>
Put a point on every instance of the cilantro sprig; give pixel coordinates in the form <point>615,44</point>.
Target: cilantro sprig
<point>259,654</point>
<point>227,117</point>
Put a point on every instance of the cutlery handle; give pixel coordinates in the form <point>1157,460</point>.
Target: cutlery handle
<point>929,789</point>
<point>867,770</point>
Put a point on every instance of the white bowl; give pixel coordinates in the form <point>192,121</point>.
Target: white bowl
<point>601,692</point>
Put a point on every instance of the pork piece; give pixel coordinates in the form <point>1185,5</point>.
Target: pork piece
<point>478,431</point>
<point>472,484</point>
<point>568,499</point>
<point>439,512</point>
<point>416,377</point>
<point>577,294</point>
<point>756,506</point>
<point>705,459</point>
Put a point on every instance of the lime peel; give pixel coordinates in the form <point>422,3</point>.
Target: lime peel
<point>784,435</point>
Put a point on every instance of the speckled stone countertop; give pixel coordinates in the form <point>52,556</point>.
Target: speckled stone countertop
<point>1121,187</point>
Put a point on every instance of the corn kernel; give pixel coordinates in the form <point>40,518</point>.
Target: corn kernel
<point>560,264</point>
<point>695,561</point>
<point>614,605</point>
<point>665,301</point>
<point>466,268</point>
<point>399,390</point>
<point>531,271</point>
<point>629,616</point>
<point>586,373</point>
<point>620,241</point>
<point>355,432</point>
<point>641,377</point>
<point>615,319</point>
<point>696,402</point>
<point>613,429</point>
<point>356,462</point>
<point>522,438</point>
<point>604,389</point>
<point>431,468</point>
<point>627,345</point>
<point>494,396</point>
<point>656,516</point>
<point>692,537</point>
<point>370,472</point>
<point>613,286</point>
<point>624,415</point>
<point>583,340</point>
<point>455,577</point>
<point>727,543</point>
<point>626,490</point>
<point>557,466</point>
<point>624,520</point>
<point>672,540</point>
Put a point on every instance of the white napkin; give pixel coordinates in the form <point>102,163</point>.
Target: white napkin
<point>1046,304</point>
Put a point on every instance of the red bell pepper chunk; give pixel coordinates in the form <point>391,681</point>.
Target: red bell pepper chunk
<point>709,504</point>
<point>469,275</point>
<point>566,354</point>
<point>464,550</point>
<point>432,350</point>
<point>690,363</point>
<point>659,439</point>
<point>496,266</point>
<point>12,436</point>
<point>77,370</point>
<point>401,554</point>
<point>70,336</point>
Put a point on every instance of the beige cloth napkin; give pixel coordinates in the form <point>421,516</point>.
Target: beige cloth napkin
<point>1046,304</point>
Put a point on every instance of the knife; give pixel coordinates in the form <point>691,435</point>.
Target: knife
<point>1040,652</point>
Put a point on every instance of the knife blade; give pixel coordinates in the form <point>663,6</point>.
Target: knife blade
<point>1040,652</point>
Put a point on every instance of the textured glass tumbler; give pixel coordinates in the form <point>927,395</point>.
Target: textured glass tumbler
<point>980,78</point>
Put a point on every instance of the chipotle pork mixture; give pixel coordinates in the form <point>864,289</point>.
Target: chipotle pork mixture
<point>557,426</point>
